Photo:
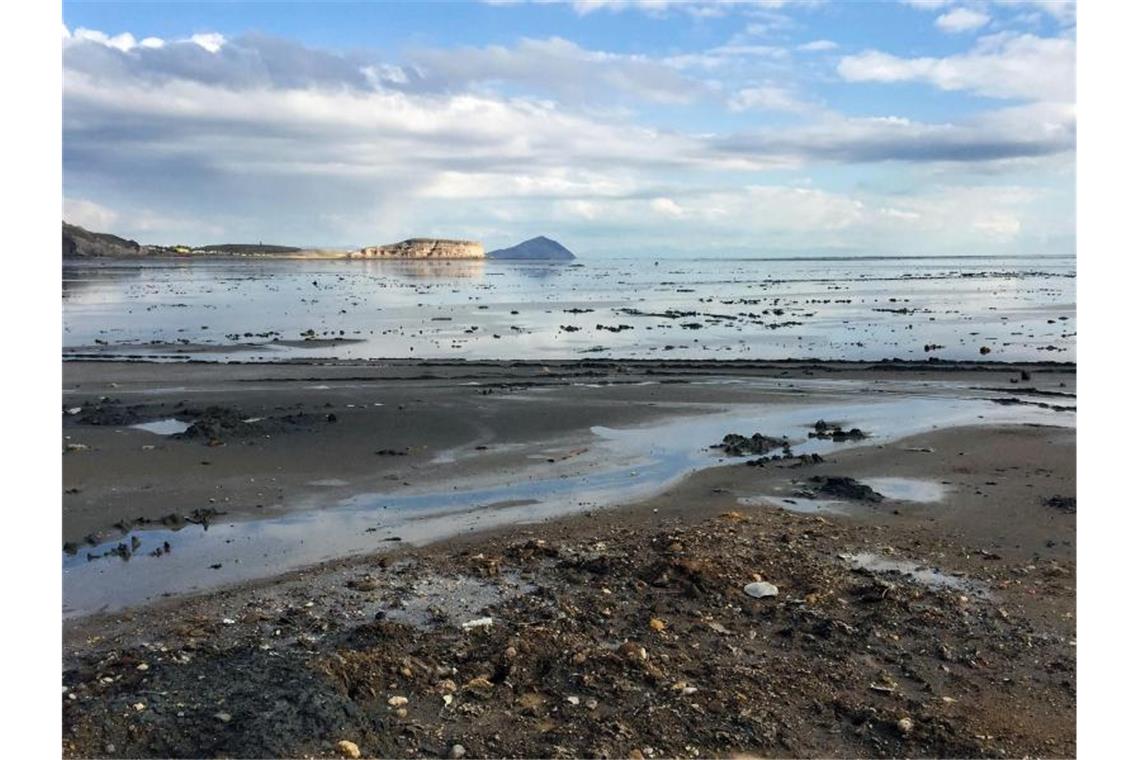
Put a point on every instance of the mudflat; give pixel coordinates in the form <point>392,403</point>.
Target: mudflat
<point>548,558</point>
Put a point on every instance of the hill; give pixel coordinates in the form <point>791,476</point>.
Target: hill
<point>536,249</point>
<point>78,242</point>
<point>246,248</point>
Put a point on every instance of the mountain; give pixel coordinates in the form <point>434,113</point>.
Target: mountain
<point>78,242</point>
<point>536,249</point>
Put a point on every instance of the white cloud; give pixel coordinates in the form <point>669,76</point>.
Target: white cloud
<point>766,97</point>
<point>88,214</point>
<point>999,66</point>
<point>212,42</point>
<point>666,207</point>
<point>927,5</point>
<point>558,66</point>
<point>961,20</point>
<point>123,42</point>
<point>817,46</point>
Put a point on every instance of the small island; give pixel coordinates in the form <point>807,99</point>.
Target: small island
<point>539,248</point>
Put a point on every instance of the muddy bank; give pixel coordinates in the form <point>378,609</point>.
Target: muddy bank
<point>267,439</point>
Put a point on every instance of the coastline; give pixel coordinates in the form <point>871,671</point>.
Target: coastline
<point>305,658</point>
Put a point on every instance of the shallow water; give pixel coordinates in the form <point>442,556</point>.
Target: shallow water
<point>926,575</point>
<point>621,466</point>
<point>908,489</point>
<point>1020,308</point>
<point>169,426</point>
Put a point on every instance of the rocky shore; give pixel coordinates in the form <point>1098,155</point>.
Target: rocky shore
<point>716,617</point>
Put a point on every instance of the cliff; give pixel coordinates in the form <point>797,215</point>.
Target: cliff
<point>536,249</point>
<point>78,242</point>
<point>424,248</point>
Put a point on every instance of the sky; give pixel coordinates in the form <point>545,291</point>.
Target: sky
<point>618,127</point>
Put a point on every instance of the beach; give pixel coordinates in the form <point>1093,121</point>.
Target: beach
<point>550,557</point>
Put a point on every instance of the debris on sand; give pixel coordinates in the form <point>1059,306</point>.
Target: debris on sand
<point>736,445</point>
<point>835,432</point>
<point>1063,503</point>
<point>845,488</point>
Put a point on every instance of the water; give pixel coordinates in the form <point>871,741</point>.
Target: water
<point>169,426</point>
<point>1021,308</point>
<point>908,489</point>
<point>620,466</point>
<point>932,577</point>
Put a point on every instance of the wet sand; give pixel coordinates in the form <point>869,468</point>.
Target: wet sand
<point>980,664</point>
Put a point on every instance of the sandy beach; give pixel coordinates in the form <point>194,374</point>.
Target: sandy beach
<point>547,558</point>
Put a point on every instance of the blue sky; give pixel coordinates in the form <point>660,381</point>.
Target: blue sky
<point>632,127</point>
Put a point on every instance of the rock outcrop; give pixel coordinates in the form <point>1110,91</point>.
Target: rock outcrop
<point>78,242</point>
<point>536,249</point>
<point>424,248</point>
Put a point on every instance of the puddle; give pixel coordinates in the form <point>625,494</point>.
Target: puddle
<point>908,489</point>
<point>622,466</point>
<point>163,427</point>
<point>925,575</point>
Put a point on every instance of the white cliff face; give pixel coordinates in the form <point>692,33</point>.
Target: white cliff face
<point>424,248</point>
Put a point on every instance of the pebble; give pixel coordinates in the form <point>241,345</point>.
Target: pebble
<point>457,751</point>
<point>348,749</point>
<point>397,701</point>
<point>905,725</point>
<point>483,622</point>
<point>224,717</point>
<point>761,589</point>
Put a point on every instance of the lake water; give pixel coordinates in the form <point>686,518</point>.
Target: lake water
<point>265,310</point>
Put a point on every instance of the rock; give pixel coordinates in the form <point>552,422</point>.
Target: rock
<point>761,589</point>
<point>905,725</point>
<point>397,701</point>
<point>657,624</point>
<point>347,749</point>
<point>846,488</point>
<point>631,650</point>
<point>224,717</point>
<point>483,622</point>
<point>457,751</point>
<point>479,685</point>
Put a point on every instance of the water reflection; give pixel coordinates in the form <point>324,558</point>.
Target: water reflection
<point>438,269</point>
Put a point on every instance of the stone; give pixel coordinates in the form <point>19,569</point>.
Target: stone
<point>457,751</point>
<point>397,701</point>
<point>905,725</point>
<point>347,749</point>
<point>483,622</point>
<point>761,589</point>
